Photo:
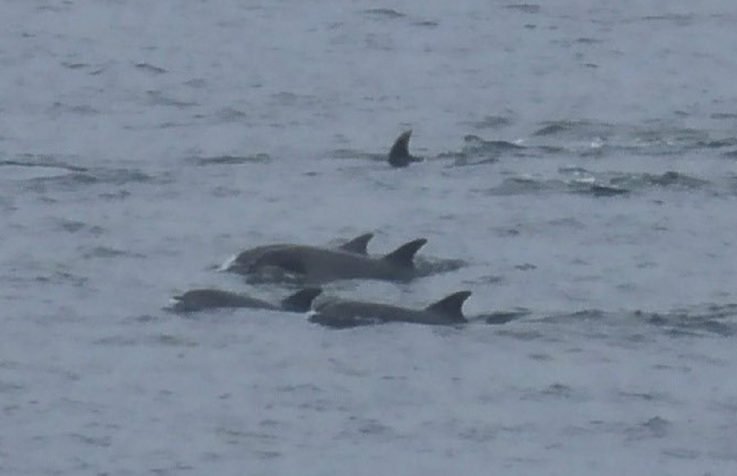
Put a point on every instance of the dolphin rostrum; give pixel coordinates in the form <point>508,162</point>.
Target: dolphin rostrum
<point>321,265</point>
<point>345,313</point>
<point>399,155</point>
<point>202,299</point>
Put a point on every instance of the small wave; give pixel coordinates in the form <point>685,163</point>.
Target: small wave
<point>596,189</point>
<point>664,135</point>
<point>526,185</point>
<point>656,427</point>
<point>107,252</point>
<point>69,65</point>
<point>486,280</point>
<point>426,266</point>
<point>477,151</point>
<point>231,114</point>
<point>116,176</point>
<point>674,18</point>
<point>358,155</point>
<point>476,145</point>
<point>63,276</point>
<point>426,23</point>
<point>75,180</point>
<point>588,41</point>
<point>81,109</point>
<point>74,226</point>
<point>575,128</point>
<point>149,68</point>
<point>29,160</point>
<point>524,7</point>
<point>260,158</point>
<point>464,161</point>
<point>666,179</point>
<point>501,317</point>
<point>288,98</point>
<point>492,122</point>
<point>157,98</point>
<point>578,316</point>
<point>384,13</point>
<point>718,143</point>
<point>583,182</point>
<point>720,319</point>
<point>617,183</point>
<point>599,139</point>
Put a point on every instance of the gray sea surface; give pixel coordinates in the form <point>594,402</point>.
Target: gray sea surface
<point>580,162</point>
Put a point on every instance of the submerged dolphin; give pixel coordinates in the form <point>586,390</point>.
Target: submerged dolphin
<point>242,262</point>
<point>342,314</point>
<point>201,299</point>
<point>399,155</point>
<point>320,265</point>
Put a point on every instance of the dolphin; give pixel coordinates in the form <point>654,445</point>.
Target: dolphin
<point>399,155</point>
<point>202,299</point>
<point>321,265</point>
<point>244,260</point>
<point>345,313</point>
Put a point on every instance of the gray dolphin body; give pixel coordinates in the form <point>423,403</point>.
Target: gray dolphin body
<point>203,299</point>
<point>343,313</point>
<point>321,265</point>
<point>399,155</point>
<point>244,261</point>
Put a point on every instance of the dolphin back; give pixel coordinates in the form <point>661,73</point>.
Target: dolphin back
<point>202,299</point>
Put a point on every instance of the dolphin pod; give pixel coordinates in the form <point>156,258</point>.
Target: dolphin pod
<point>313,265</point>
<point>347,313</point>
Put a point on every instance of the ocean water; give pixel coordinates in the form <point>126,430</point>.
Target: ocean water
<point>581,162</point>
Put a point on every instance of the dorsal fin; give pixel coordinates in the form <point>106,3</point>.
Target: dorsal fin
<point>301,300</point>
<point>450,306</point>
<point>404,255</point>
<point>399,153</point>
<point>358,245</point>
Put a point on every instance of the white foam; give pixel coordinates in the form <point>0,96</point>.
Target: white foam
<point>228,263</point>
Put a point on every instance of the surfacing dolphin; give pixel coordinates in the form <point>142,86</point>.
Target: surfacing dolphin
<point>321,265</point>
<point>399,155</point>
<point>345,313</point>
<point>242,262</point>
<point>203,299</point>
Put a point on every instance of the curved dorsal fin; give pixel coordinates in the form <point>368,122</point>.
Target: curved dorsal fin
<point>301,300</point>
<point>358,245</point>
<point>404,255</point>
<point>399,153</point>
<point>450,306</point>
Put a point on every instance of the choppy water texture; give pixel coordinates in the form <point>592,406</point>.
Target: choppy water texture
<point>581,164</point>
